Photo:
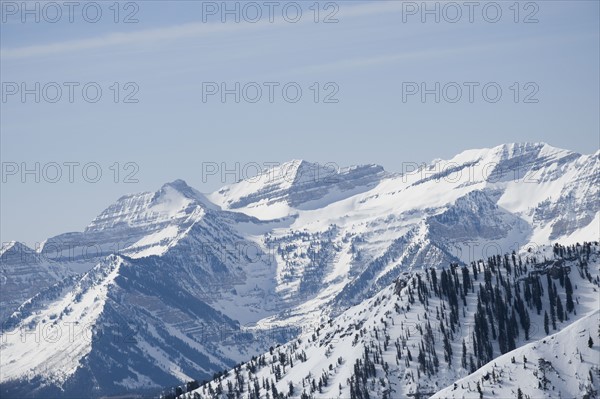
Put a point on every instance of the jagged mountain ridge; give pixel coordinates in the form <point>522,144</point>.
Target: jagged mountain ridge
<point>157,300</point>
<point>306,246</point>
<point>412,338</point>
<point>299,184</point>
<point>23,273</point>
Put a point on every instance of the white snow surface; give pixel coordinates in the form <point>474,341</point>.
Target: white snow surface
<point>315,241</point>
<point>333,347</point>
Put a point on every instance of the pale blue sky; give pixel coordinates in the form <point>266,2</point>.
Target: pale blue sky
<point>368,54</point>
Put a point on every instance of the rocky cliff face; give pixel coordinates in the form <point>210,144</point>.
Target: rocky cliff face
<point>300,184</point>
<point>258,260</point>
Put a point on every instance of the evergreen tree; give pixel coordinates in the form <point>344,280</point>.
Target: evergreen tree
<point>472,367</point>
<point>447,350</point>
<point>546,323</point>
<point>552,315</point>
<point>464,355</point>
<point>559,309</point>
<point>569,290</point>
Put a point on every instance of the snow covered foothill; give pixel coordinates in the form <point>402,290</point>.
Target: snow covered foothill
<point>561,365</point>
<point>417,336</point>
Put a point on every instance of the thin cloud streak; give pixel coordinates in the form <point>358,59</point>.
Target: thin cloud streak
<point>362,62</point>
<point>189,30</point>
<point>120,39</point>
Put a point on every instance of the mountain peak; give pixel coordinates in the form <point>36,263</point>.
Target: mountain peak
<point>147,208</point>
<point>511,155</point>
<point>521,148</point>
<point>15,247</point>
<point>286,172</point>
<point>178,184</point>
<point>298,182</point>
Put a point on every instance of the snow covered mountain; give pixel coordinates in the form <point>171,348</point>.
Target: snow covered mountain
<point>548,374</point>
<point>298,184</point>
<point>147,304</point>
<point>23,273</point>
<point>479,329</point>
<point>186,284</point>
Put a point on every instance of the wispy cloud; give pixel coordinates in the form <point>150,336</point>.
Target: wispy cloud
<point>189,30</point>
<point>434,53</point>
<point>120,39</point>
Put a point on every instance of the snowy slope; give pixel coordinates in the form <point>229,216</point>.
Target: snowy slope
<point>297,184</point>
<point>375,347</point>
<point>561,365</point>
<point>58,343</point>
<point>479,203</point>
<point>291,248</point>
<point>24,273</point>
<point>139,224</point>
<point>152,310</point>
